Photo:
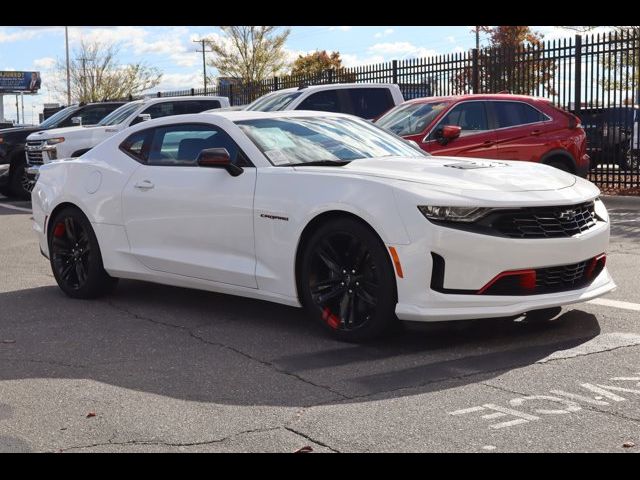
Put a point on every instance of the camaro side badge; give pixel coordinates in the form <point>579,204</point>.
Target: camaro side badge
<point>274,217</point>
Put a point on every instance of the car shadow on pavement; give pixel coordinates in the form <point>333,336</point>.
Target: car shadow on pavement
<point>208,347</point>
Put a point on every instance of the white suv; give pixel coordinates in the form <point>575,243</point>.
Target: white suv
<point>48,145</point>
<point>365,100</point>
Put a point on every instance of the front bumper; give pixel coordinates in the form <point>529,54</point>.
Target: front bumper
<point>472,260</point>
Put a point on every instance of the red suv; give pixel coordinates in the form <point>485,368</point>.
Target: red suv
<point>497,126</point>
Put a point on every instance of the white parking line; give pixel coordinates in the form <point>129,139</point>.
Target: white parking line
<point>605,302</point>
<point>13,207</point>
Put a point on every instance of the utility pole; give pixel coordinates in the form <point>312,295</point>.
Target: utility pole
<point>204,63</point>
<point>66,43</point>
<point>477,38</point>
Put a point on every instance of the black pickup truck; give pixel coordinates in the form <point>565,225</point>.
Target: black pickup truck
<point>13,179</point>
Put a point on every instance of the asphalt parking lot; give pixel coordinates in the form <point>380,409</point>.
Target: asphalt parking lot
<point>156,368</point>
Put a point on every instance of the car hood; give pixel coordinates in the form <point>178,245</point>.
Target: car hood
<point>60,132</point>
<point>464,174</point>
<point>8,131</point>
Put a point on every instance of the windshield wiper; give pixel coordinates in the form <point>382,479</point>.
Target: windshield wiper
<point>329,163</point>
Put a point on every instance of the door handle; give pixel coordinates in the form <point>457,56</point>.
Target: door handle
<point>144,185</point>
<point>488,143</point>
<point>536,132</point>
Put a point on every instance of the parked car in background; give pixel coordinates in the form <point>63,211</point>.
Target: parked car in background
<point>496,126</point>
<point>610,134</point>
<point>365,100</point>
<point>13,177</point>
<point>325,211</point>
<point>44,147</point>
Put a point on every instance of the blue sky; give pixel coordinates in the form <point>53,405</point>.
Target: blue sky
<point>172,50</point>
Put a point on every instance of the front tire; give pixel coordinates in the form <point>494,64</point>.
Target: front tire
<point>347,282</point>
<point>19,184</point>
<point>76,260</point>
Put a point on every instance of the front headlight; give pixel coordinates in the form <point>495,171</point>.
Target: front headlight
<point>600,210</point>
<point>454,214</point>
<point>55,141</point>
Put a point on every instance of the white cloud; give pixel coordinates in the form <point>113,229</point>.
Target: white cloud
<point>554,33</point>
<point>342,29</point>
<point>450,39</point>
<point>384,33</point>
<point>351,60</point>
<point>7,36</point>
<point>120,35</point>
<point>401,50</point>
<point>44,63</point>
<point>179,81</point>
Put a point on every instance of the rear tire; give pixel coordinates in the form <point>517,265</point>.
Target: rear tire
<point>347,282</point>
<point>76,260</point>
<point>560,165</point>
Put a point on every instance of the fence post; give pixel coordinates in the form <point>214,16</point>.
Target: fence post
<point>330,75</point>
<point>578,75</point>
<point>475,71</point>
<point>159,94</point>
<point>193,92</point>
<point>231,94</point>
<point>395,71</point>
<point>275,83</point>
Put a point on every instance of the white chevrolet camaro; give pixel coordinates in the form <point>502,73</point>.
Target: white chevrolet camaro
<point>324,211</point>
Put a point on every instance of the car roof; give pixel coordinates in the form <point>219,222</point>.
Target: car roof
<point>332,86</point>
<point>237,115</point>
<point>477,96</point>
<point>182,98</point>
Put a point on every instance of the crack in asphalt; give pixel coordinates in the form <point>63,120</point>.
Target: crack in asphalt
<point>317,442</point>
<point>592,408</point>
<point>110,442</point>
<point>266,363</point>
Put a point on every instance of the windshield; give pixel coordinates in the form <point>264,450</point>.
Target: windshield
<point>54,119</point>
<point>120,114</point>
<point>300,140</point>
<point>411,118</point>
<point>273,102</point>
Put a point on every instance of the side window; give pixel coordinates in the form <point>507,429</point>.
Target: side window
<point>180,145</point>
<point>510,114</point>
<point>137,145</point>
<point>324,100</point>
<point>369,102</point>
<point>162,109</point>
<point>196,106</point>
<point>470,116</point>
<point>92,115</point>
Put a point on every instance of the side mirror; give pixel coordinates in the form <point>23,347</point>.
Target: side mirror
<point>447,133</point>
<point>218,158</point>
<point>76,120</point>
<point>143,117</point>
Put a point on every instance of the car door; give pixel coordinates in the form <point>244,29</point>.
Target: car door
<point>521,130</point>
<point>189,220</point>
<point>476,138</point>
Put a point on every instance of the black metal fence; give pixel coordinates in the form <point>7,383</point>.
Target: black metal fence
<point>594,76</point>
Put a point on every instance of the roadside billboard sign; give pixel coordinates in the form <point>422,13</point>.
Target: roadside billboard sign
<point>13,81</point>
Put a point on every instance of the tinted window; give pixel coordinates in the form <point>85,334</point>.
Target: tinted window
<point>163,109</point>
<point>180,145</point>
<point>137,145</point>
<point>56,119</point>
<point>324,101</point>
<point>197,106</point>
<point>93,114</point>
<point>369,102</point>
<point>510,114</point>
<point>273,102</point>
<point>470,116</point>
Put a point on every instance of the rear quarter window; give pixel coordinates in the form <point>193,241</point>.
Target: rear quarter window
<point>369,102</point>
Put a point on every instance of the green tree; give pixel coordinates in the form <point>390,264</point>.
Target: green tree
<point>96,74</point>
<point>315,63</point>
<point>249,54</point>
<point>512,61</point>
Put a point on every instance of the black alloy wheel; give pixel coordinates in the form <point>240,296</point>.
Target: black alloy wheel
<point>347,281</point>
<point>76,260</point>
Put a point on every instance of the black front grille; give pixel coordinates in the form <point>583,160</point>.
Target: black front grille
<point>564,277</point>
<point>543,222</point>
